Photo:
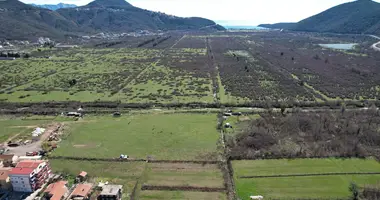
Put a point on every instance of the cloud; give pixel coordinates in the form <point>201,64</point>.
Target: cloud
<point>228,12</point>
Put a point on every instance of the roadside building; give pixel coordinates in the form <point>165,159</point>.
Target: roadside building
<point>81,192</point>
<point>5,183</point>
<point>29,175</point>
<point>111,192</point>
<point>56,191</point>
<point>7,160</point>
<point>81,177</point>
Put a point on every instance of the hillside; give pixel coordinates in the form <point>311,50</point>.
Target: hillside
<point>361,16</point>
<point>22,21</point>
<point>278,25</point>
<point>118,16</point>
<point>55,6</point>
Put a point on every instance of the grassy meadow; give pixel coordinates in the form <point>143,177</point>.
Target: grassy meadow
<point>161,136</point>
<point>317,187</point>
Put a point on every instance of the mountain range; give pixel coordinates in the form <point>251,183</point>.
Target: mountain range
<point>361,16</point>
<point>55,6</point>
<point>22,21</point>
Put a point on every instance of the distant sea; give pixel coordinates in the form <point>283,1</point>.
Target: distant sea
<point>244,27</point>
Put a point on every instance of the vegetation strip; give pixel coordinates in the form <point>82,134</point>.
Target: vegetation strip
<point>319,174</point>
<point>182,188</point>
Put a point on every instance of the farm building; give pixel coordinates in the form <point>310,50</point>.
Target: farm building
<point>56,191</point>
<point>111,192</point>
<point>82,192</point>
<point>5,183</point>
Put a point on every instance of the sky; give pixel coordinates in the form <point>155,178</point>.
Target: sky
<point>229,12</point>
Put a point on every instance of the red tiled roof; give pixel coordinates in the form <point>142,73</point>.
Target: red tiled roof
<point>83,174</point>
<point>82,190</point>
<point>4,173</point>
<point>30,163</point>
<point>21,171</point>
<point>57,190</point>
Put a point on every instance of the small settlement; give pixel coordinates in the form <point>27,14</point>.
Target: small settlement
<point>33,179</point>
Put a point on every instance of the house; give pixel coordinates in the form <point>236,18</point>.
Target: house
<point>81,177</point>
<point>56,191</point>
<point>111,192</point>
<point>29,175</point>
<point>5,183</point>
<point>81,192</point>
<point>7,160</point>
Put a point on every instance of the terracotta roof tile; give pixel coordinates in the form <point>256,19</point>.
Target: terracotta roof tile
<point>83,174</point>
<point>20,171</point>
<point>57,190</point>
<point>82,190</point>
<point>4,173</point>
<point>29,163</point>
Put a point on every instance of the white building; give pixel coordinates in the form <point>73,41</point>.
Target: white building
<point>29,175</point>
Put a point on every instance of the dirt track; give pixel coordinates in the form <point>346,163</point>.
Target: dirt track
<point>36,146</point>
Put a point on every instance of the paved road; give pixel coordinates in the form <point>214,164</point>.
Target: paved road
<point>376,46</point>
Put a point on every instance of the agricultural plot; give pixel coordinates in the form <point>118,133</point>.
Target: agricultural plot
<point>97,75</point>
<point>181,75</point>
<point>196,175</point>
<point>299,135</point>
<point>188,41</point>
<point>181,195</point>
<point>193,137</point>
<point>297,187</point>
<point>329,74</point>
<point>244,75</point>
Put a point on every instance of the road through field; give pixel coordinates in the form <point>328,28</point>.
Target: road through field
<point>376,46</point>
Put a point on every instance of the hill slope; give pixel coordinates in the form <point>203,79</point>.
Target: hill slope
<point>118,16</point>
<point>361,16</point>
<point>55,6</point>
<point>22,21</point>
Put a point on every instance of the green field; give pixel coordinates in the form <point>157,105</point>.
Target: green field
<point>322,187</point>
<point>184,174</point>
<point>125,74</point>
<point>181,195</point>
<point>127,174</point>
<point>161,136</point>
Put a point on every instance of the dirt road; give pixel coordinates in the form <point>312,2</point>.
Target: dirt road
<point>35,146</point>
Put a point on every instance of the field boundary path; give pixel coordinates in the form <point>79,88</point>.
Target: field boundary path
<point>214,70</point>
<point>225,165</point>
